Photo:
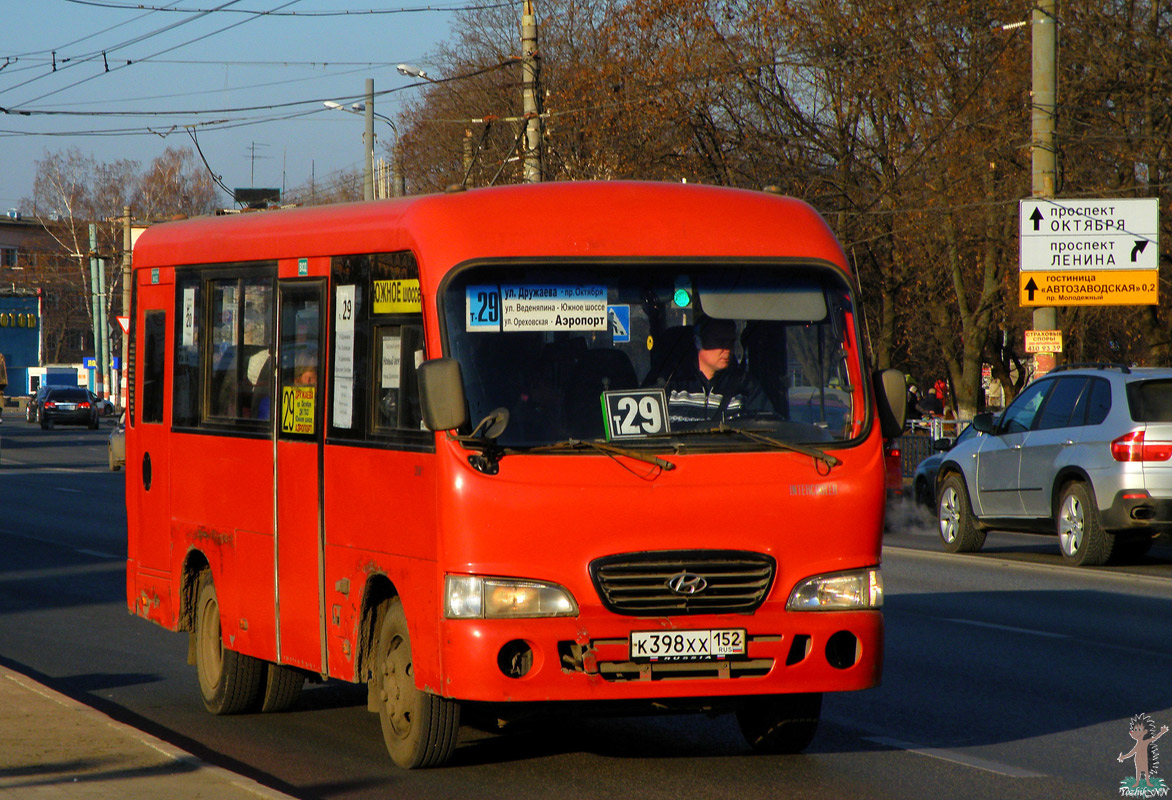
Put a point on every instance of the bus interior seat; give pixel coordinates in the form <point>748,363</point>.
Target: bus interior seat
<point>596,371</point>
<point>260,403</point>
<point>669,350</point>
<point>764,346</point>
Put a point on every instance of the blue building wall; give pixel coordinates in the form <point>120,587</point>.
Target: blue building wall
<point>20,329</point>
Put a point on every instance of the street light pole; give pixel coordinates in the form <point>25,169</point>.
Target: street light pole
<point>1042,148</point>
<point>529,89</point>
<point>398,189</point>
<point>368,138</point>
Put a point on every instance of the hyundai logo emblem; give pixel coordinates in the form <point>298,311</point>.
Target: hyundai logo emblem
<point>687,583</point>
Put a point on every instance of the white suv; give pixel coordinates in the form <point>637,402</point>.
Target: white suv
<point>1083,452</point>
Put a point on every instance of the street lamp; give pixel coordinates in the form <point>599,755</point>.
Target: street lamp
<point>412,71</point>
<point>397,187</point>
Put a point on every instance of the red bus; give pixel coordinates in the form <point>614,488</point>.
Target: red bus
<point>613,444</point>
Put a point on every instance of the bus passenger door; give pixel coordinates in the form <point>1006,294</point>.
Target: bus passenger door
<point>299,543</point>
<point>147,463</point>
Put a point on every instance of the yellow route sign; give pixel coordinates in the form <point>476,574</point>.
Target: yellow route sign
<point>1109,287</point>
<point>297,409</point>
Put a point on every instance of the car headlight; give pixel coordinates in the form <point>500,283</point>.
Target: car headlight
<point>475,597</point>
<point>838,591</point>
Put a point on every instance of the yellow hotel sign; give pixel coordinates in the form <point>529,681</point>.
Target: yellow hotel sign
<point>1110,287</point>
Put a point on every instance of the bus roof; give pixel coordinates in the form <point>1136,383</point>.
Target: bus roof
<point>558,219</point>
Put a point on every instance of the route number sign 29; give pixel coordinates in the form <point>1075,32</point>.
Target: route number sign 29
<point>635,413</point>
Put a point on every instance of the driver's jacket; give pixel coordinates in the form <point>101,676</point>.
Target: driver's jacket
<point>731,393</point>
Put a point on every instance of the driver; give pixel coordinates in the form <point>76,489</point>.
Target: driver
<point>713,387</point>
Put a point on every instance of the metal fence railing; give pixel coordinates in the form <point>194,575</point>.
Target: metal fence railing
<point>916,444</point>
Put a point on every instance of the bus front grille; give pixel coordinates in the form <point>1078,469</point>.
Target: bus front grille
<point>661,584</point>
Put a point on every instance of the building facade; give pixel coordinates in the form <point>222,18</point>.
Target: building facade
<point>44,301</point>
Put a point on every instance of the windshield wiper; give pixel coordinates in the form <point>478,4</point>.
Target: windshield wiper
<point>756,436</point>
<point>601,447</point>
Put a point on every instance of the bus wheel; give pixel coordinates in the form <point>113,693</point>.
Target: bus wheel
<point>228,681</point>
<point>419,728</point>
<point>778,724</point>
<point>282,687</point>
<point>954,517</point>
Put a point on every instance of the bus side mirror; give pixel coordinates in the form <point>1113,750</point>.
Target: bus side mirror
<point>891,402</point>
<point>441,394</point>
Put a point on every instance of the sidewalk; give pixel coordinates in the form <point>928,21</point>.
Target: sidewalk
<point>55,747</point>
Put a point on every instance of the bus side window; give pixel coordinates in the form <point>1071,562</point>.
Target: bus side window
<point>241,342</point>
<point>154,358</point>
<point>398,352</point>
<point>189,326</point>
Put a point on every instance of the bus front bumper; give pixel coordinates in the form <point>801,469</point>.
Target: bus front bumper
<point>590,657</point>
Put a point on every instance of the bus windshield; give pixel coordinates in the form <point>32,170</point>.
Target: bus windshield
<point>645,354</point>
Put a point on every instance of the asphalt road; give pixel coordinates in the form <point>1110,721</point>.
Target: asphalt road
<point>1007,674</point>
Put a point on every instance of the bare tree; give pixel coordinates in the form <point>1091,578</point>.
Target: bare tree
<point>72,191</point>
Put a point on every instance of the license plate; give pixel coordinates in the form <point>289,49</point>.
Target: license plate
<point>687,645</point>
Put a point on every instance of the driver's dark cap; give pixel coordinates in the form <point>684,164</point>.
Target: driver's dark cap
<point>714,334</point>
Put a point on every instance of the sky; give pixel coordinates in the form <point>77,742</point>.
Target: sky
<point>135,76</point>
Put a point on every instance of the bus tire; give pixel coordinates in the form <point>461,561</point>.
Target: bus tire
<point>419,728</point>
<point>954,517</point>
<point>780,724</point>
<point>229,682</point>
<point>282,687</point>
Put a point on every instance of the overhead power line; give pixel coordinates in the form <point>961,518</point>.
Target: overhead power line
<point>336,13</point>
<point>67,62</point>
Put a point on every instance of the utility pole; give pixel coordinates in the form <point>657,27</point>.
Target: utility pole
<point>1044,101</point>
<point>530,89</point>
<point>102,350</point>
<point>467,155</point>
<point>252,157</point>
<point>96,304</point>
<point>368,140</point>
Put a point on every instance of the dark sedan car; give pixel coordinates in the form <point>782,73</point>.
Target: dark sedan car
<point>32,411</point>
<point>68,407</point>
<point>924,481</point>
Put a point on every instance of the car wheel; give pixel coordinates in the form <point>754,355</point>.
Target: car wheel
<point>229,682</point>
<point>954,515</point>
<point>46,424</point>
<point>419,728</point>
<point>94,424</point>
<point>1081,537</point>
<point>780,724</point>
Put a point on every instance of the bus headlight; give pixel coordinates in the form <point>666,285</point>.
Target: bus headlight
<point>838,591</point>
<point>475,597</point>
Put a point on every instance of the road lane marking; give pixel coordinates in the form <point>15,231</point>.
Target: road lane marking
<point>954,757</point>
<point>992,561</point>
<point>1011,628</point>
<point>97,553</point>
<point>54,543</point>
